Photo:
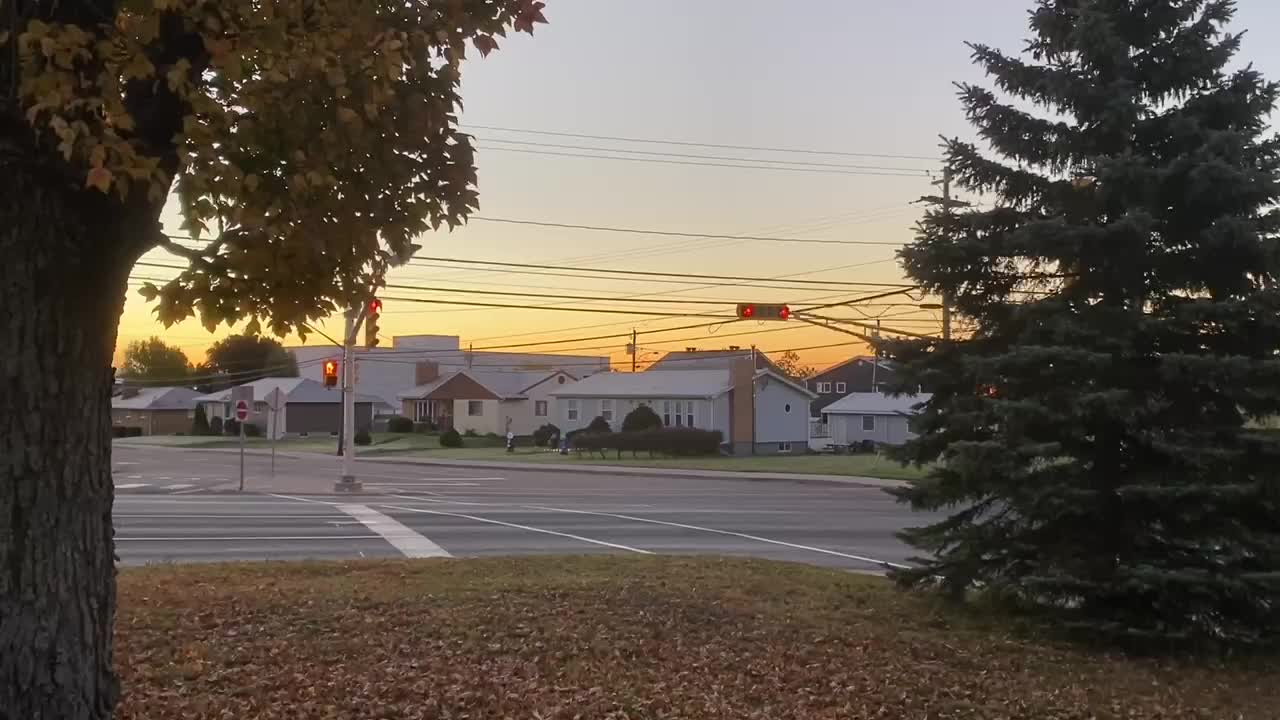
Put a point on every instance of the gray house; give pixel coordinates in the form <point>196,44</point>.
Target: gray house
<point>872,416</point>
<point>759,411</point>
<point>157,410</point>
<point>310,408</point>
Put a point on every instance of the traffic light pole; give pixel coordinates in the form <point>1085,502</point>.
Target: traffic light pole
<point>348,481</point>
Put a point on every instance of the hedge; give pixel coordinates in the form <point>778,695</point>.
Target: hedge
<point>399,424</point>
<point>667,441</point>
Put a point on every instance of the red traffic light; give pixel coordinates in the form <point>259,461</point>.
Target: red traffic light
<point>330,373</point>
<point>750,311</point>
<point>375,306</point>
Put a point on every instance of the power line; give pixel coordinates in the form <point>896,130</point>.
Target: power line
<point>560,309</point>
<point>690,276</point>
<point>672,233</point>
<point>701,144</point>
<point>885,168</point>
<point>737,166</point>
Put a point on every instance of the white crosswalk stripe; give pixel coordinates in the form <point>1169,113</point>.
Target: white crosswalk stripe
<point>130,486</point>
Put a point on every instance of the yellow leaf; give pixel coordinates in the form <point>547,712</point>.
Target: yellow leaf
<point>99,178</point>
<point>346,115</point>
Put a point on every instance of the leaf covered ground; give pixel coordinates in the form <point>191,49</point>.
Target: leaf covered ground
<point>611,637</point>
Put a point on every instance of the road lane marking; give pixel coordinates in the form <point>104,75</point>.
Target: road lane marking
<point>134,477</point>
<point>179,486</point>
<point>247,538</point>
<point>521,527</point>
<point>130,486</point>
<point>757,538</point>
<point>189,492</point>
<point>408,542</point>
<point>196,516</point>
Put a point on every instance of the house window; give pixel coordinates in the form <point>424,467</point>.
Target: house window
<point>868,423</point>
<point>606,410</point>
<point>540,408</point>
<point>688,413</point>
<point>475,408</point>
<point>840,388</point>
<point>666,413</point>
<point>571,409</point>
<point>784,447</point>
<point>824,387</point>
<point>786,408</point>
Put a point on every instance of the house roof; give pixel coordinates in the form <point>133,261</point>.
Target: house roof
<point>296,390</point>
<point>157,398</point>
<point>867,403</point>
<point>506,385</point>
<point>709,360</point>
<point>649,384</point>
<point>884,364</point>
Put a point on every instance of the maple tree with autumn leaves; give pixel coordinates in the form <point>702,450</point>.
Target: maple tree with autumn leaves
<point>306,143</point>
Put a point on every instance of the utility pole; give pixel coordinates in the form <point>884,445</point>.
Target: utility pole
<point>348,482</point>
<point>635,349</point>
<point>945,202</point>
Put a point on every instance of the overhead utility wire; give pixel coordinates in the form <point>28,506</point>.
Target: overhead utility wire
<point>672,233</point>
<point>655,273</point>
<point>737,166</point>
<point>688,143</point>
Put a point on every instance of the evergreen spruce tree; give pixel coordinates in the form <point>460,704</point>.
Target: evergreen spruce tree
<point>1092,423</point>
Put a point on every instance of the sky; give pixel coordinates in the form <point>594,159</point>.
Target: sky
<point>832,76</point>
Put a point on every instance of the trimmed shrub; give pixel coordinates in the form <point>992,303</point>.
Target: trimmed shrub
<point>399,424</point>
<point>667,441</point>
<point>546,436</point>
<point>640,419</point>
<point>200,423</point>
<point>119,431</point>
<point>133,431</point>
<point>215,426</point>
<point>471,433</point>
<point>231,426</point>
<point>361,438</point>
<point>251,430</point>
<point>599,425</point>
<point>450,439</point>
<point>424,426</point>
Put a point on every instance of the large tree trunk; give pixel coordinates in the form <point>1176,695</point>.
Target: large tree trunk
<point>62,281</point>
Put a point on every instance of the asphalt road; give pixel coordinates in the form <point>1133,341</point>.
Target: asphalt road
<point>180,506</point>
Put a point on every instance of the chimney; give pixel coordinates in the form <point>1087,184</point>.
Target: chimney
<point>742,377</point>
<point>425,372</point>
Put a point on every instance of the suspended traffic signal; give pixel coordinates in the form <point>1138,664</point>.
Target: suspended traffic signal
<point>371,323</point>
<point>756,311</point>
<point>330,373</point>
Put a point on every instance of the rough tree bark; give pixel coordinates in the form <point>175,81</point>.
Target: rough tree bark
<point>62,285</point>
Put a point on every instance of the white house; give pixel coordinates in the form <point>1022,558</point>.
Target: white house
<point>309,407</point>
<point>877,417</point>
<point>759,411</point>
<point>486,402</point>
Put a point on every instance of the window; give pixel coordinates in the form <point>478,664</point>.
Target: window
<point>840,388</point>
<point>786,408</point>
<point>571,409</point>
<point>784,447</point>
<point>688,413</point>
<point>560,379</point>
<point>540,408</point>
<point>475,408</point>
<point>606,410</point>
<point>868,423</point>
<point>666,413</point>
<point>824,387</point>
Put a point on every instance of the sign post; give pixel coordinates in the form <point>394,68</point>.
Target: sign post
<point>275,401</point>
<point>242,414</point>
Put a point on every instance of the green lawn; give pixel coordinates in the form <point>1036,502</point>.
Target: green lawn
<point>566,638</point>
<point>852,465</point>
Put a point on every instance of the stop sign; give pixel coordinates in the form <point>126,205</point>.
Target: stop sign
<point>242,410</point>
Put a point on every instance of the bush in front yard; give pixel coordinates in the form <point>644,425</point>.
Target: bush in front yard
<point>471,433</point>
<point>200,423</point>
<point>215,426</point>
<point>231,426</point>
<point>546,436</point>
<point>667,441</point>
<point>251,430</point>
<point>399,424</point>
<point>424,426</point>
<point>450,439</point>
<point>599,425</point>
<point>642,418</point>
<point>361,438</point>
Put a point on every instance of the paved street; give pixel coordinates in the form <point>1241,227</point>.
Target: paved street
<point>435,512</point>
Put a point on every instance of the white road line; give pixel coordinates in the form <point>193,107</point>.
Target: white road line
<point>757,538</point>
<point>302,499</point>
<point>135,477</point>
<point>247,538</point>
<point>122,464</point>
<point>130,486</point>
<point>418,484</point>
<point>402,538</point>
<point>194,516</point>
<point>188,492</point>
<point>179,486</point>
<point>521,527</point>
<point>164,477</point>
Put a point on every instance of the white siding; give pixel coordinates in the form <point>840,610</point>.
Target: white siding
<point>782,413</point>
<point>847,429</point>
<point>490,421</point>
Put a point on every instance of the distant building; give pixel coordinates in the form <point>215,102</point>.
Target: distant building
<point>157,410</point>
<point>482,401</point>
<point>872,416</point>
<point>855,375</point>
<point>693,359</point>
<point>388,372</point>
<point>757,410</point>
<point>309,407</point>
